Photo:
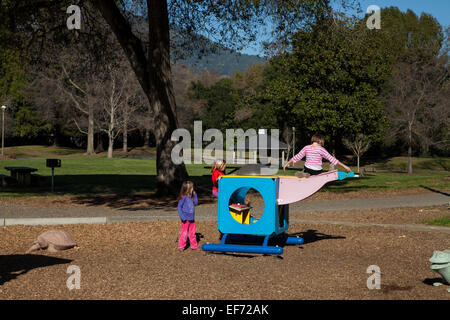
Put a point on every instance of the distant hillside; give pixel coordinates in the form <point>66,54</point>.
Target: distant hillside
<point>222,60</point>
<point>203,54</point>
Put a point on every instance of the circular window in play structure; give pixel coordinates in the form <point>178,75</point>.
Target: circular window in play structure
<point>246,205</point>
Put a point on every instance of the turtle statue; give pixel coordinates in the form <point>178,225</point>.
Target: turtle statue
<point>440,262</point>
<point>53,240</point>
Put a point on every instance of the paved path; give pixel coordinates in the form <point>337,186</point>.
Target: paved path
<point>19,214</point>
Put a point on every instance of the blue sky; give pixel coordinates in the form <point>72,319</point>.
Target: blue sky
<point>440,9</point>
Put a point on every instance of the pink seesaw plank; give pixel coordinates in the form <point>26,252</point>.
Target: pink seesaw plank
<point>296,189</point>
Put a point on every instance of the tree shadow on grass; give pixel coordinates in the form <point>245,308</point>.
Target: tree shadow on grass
<point>14,265</point>
<point>435,190</point>
<point>136,202</point>
<point>125,192</point>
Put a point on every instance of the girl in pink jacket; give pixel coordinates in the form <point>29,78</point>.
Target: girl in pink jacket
<point>187,201</point>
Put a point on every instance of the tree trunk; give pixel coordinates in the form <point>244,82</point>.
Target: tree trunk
<point>56,135</point>
<point>110,145</point>
<point>125,137</point>
<point>162,100</point>
<point>111,131</point>
<point>410,169</point>
<point>146,138</point>
<point>100,147</point>
<point>91,132</point>
<point>154,75</point>
<point>357,157</point>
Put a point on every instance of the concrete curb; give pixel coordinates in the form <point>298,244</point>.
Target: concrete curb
<point>154,218</point>
<point>86,220</point>
<point>51,221</point>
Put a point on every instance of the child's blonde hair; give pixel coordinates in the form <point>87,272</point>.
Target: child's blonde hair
<point>219,165</point>
<point>187,189</point>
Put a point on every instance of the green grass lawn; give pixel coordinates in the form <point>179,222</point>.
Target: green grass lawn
<point>93,175</point>
<point>444,221</point>
<point>80,175</point>
<point>401,164</point>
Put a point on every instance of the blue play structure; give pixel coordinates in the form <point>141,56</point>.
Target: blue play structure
<point>235,219</point>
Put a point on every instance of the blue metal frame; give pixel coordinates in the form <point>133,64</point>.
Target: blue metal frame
<point>223,247</point>
<point>238,188</point>
<point>239,248</point>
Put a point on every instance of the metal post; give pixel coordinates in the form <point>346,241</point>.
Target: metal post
<point>53,176</point>
<point>293,141</point>
<point>3,129</point>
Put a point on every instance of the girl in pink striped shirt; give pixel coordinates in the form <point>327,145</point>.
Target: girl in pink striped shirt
<point>314,154</point>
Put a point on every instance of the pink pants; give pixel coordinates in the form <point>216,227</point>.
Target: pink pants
<point>215,193</point>
<point>187,229</point>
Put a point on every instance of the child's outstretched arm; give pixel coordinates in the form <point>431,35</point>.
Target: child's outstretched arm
<point>344,166</point>
<point>299,156</point>
<point>287,164</point>
<point>333,160</point>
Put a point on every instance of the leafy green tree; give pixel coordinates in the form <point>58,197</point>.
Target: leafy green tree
<point>12,76</point>
<point>417,93</point>
<point>251,109</point>
<point>407,35</point>
<point>28,123</point>
<point>232,102</point>
<point>330,82</point>
<point>220,99</point>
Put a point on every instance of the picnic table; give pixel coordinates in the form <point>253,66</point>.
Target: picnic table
<point>21,174</point>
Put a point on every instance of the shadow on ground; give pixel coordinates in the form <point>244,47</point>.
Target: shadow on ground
<point>125,192</point>
<point>311,236</point>
<point>137,202</point>
<point>308,236</point>
<point>432,281</point>
<point>14,265</point>
<point>435,191</point>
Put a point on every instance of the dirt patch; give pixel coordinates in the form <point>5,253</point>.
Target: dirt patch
<point>141,261</point>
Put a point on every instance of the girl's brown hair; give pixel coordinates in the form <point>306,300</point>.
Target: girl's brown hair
<point>187,189</point>
<point>318,139</point>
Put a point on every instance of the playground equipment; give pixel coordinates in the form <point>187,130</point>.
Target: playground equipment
<point>440,262</point>
<point>236,222</point>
